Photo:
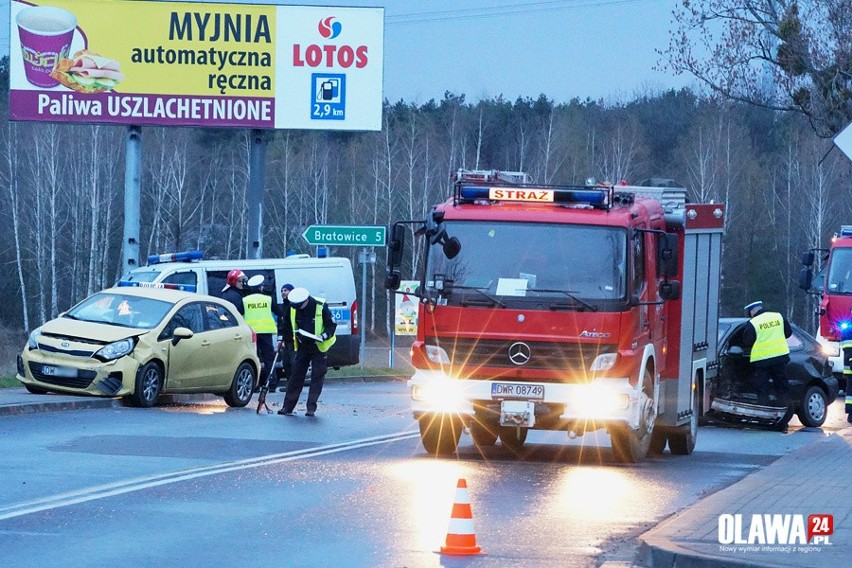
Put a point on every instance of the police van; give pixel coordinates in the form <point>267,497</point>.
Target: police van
<point>330,278</point>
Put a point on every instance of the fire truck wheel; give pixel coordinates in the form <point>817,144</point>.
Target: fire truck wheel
<point>513,438</point>
<point>814,408</point>
<point>682,439</point>
<point>659,439</point>
<point>483,432</point>
<point>440,433</point>
<point>631,446</point>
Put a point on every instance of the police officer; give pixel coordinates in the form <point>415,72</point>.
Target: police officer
<point>285,330</point>
<point>234,289</point>
<point>767,335</point>
<point>846,350</point>
<point>313,334</point>
<point>257,310</point>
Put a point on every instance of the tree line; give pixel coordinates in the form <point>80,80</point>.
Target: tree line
<point>63,186</point>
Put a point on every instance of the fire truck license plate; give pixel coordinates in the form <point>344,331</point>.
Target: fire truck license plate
<point>517,390</point>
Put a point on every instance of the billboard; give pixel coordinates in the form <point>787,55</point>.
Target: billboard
<point>196,64</point>
<point>405,321</point>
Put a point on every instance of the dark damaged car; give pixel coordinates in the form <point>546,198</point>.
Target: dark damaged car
<point>809,374</point>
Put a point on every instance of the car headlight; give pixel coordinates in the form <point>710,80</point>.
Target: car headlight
<point>32,343</point>
<point>115,350</point>
<point>830,349</point>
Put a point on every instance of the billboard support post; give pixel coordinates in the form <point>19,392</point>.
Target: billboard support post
<point>132,193</point>
<point>257,177</point>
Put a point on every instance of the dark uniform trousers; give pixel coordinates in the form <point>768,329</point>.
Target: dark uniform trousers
<point>305,356</point>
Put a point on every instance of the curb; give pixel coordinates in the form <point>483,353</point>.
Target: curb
<point>83,404</point>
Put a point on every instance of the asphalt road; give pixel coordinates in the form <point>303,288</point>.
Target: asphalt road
<point>204,485</point>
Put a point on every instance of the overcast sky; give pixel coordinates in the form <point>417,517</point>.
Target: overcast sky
<point>601,49</point>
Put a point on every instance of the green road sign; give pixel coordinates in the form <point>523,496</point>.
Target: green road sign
<point>346,235</point>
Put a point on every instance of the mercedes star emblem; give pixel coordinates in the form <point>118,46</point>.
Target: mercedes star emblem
<point>519,353</point>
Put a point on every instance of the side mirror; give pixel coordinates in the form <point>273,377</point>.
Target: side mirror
<point>396,247</point>
<point>668,254</point>
<point>670,290</point>
<point>181,333</point>
<point>452,247</point>
<point>393,281</point>
<point>735,350</point>
<point>808,258</point>
<point>806,278</point>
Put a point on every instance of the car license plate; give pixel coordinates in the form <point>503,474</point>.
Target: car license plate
<point>51,371</point>
<point>341,315</point>
<point>517,390</point>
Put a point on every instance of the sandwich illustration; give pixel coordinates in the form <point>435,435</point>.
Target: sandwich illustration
<point>88,72</point>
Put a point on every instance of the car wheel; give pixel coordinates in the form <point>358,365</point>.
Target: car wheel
<point>814,408</point>
<point>35,390</point>
<point>440,433</point>
<point>513,438</point>
<point>149,383</point>
<point>240,392</point>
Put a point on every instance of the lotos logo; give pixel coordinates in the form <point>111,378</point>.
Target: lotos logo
<point>330,55</point>
<point>329,28</point>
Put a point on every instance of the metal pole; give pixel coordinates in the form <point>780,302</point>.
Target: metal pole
<point>132,192</point>
<point>257,177</point>
<point>363,257</point>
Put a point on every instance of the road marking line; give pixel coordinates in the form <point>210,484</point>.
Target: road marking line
<point>140,483</point>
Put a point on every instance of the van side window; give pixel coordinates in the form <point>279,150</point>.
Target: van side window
<point>216,281</point>
<point>217,317</point>
<point>186,278</point>
<point>189,316</point>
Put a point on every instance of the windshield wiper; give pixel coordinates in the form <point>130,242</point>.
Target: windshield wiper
<point>570,296</point>
<point>492,299</point>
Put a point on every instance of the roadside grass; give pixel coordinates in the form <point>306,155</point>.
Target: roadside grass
<point>10,345</point>
<point>6,382</point>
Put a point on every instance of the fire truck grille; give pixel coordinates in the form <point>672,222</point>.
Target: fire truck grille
<point>521,354</point>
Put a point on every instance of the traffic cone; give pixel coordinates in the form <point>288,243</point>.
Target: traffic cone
<point>461,538</point>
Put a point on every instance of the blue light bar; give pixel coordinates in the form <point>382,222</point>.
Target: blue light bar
<point>185,256</point>
<point>530,194</point>
<point>846,230</point>
<point>163,286</point>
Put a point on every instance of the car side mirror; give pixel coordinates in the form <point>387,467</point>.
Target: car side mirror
<point>808,258</point>
<point>668,255</point>
<point>670,290</point>
<point>181,333</point>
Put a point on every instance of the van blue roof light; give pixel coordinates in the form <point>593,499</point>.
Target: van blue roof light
<point>185,256</point>
<point>161,285</point>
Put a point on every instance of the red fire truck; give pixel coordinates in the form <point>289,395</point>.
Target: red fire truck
<point>561,307</point>
<point>833,282</point>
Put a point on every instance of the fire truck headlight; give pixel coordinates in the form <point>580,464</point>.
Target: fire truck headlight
<point>437,355</point>
<point>596,400</point>
<point>830,350</point>
<point>446,395</point>
<point>603,362</point>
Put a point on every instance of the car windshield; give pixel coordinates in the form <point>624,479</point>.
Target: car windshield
<point>147,276</point>
<point>567,263</point>
<point>121,310</point>
<point>840,271</point>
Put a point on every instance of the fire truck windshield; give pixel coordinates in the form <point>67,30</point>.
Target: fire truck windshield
<point>840,272</point>
<point>511,260</point>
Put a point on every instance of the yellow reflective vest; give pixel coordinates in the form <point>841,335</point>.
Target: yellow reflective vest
<point>770,341</point>
<point>258,313</point>
<point>323,346</point>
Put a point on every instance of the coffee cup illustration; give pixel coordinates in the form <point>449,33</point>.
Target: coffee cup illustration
<point>46,33</point>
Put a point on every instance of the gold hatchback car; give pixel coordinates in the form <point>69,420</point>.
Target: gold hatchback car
<point>143,342</point>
